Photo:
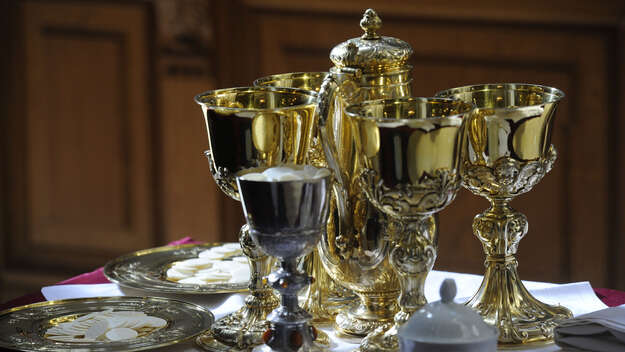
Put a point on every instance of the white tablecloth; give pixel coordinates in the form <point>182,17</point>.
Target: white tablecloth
<point>578,297</point>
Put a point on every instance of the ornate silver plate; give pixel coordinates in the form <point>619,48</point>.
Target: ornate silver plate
<point>23,328</point>
<point>146,270</point>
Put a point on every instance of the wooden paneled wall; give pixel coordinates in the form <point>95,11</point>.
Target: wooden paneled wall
<point>102,147</point>
<point>102,143</point>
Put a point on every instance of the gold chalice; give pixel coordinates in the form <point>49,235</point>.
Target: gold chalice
<point>324,296</point>
<point>508,151</point>
<point>410,154</point>
<point>253,127</point>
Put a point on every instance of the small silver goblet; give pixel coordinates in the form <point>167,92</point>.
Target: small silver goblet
<point>286,220</point>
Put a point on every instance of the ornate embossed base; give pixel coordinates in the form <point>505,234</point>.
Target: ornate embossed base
<point>242,330</point>
<point>502,299</point>
<point>362,318</point>
<point>412,258</point>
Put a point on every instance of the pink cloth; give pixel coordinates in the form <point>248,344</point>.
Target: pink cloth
<point>97,276</point>
<point>94,277</point>
<point>611,298</point>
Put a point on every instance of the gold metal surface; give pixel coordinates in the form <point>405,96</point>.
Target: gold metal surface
<point>508,151</point>
<point>410,155</point>
<point>324,296</point>
<point>253,127</point>
<point>146,270</point>
<point>23,328</point>
<point>355,248</point>
<point>372,53</point>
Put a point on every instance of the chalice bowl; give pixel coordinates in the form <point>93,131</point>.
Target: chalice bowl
<point>252,127</point>
<point>508,151</point>
<point>410,154</point>
<point>286,220</point>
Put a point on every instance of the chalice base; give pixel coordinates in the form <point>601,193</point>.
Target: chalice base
<point>367,315</point>
<point>243,329</point>
<point>383,338</point>
<point>503,301</point>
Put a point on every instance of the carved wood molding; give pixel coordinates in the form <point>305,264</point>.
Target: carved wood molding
<point>595,13</point>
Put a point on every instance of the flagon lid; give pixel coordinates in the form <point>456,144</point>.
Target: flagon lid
<point>371,52</point>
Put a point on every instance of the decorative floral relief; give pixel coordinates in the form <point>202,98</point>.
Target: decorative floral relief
<point>223,177</point>
<point>492,230</point>
<point>430,194</point>
<point>507,177</point>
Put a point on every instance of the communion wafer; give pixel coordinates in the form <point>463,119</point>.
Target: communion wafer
<point>285,173</point>
<point>192,281</point>
<point>195,263</point>
<point>175,275</point>
<point>97,326</point>
<point>242,260</point>
<point>118,334</point>
<point>211,254</point>
<point>226,250</point>
<point>182,269</point>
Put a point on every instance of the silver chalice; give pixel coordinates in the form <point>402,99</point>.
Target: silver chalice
<point>286,220</point>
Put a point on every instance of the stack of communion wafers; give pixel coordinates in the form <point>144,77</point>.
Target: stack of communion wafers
<point>105,325</point>
<point>222,264</point>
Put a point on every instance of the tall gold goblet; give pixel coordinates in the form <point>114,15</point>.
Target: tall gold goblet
<point>410,154</point>
<point>252,127</point>
<point>509,150</point>
<point>324,296</point>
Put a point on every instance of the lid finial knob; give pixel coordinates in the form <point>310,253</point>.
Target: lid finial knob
<point>448,290</point>
<point>370,23</point>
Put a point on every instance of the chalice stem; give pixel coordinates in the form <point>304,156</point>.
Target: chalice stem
<point>502,299</point>
<point>413,256</point>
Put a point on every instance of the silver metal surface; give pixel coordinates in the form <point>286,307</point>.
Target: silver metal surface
<point>286,220</point>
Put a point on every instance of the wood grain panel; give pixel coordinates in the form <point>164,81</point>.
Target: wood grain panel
<point>617,259</point>
<point>557,12</point>
<point>87,133</point>
<point>192,204</point>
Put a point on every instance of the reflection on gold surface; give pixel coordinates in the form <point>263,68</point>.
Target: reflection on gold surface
<point>250,127</point>
<point>405,143</point>
<point>409,152</point>
<point>509,151</point>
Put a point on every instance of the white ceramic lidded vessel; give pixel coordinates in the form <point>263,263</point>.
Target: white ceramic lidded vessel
<point>447,326</point>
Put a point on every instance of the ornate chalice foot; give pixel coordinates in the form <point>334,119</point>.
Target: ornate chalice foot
<point>412,259</point>
<point>508,151</point>
<point>502,299</point>
<point>370,312</point>
<point>244,329</point>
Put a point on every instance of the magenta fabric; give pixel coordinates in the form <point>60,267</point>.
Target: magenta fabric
<point>94,277</point>
<point>97,276</point>
<point>611,298</point>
